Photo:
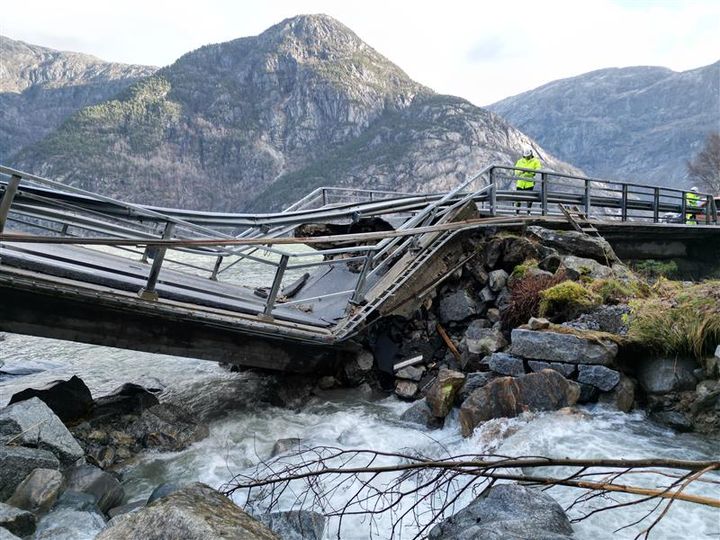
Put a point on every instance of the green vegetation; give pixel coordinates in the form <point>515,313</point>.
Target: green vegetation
<point>653,269</point>
<point>521,270</point>
<point>613,291</point>
<point>679,320</point>
<point>567,299</point>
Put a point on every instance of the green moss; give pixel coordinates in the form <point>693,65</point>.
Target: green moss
<point>654,269</point>
<point>567,300</point>
<point>613,291</point>
<point>521,270</point>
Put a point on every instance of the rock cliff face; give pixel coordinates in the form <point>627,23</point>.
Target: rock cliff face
<point>259,121</point>
<point>640,123</point>
<point>40,87</point>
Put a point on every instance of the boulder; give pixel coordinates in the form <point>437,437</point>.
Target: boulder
<point>167,427</point>
<point>65,523</point>
<point>577,267</point>
<point>17,462</point>
<point>574,243</point>
<point>196,512</point>
<point>538,324</point>
<point>357,368</point>
<point>677,420</point>
<point>296,525</point>
<point>285,445</point>
<point>411,373</point>
<point>163,490</point>
<point>622,396</point>
<point>505,364</point>
<point>664,375</point>
<point>507,512</point>
<point>507,397</point>
<point>458,305</point>
<point>493,315</point>
<point>421,413</point>
<point>475,268</point>
<point>550,263</point>
<point>492,252</point>
<point>612,319</point>
<point>483,341</point>
<point>93,481</point>
<point>557,347</point>
<point>69,400</point>
<point>75,500</point>
<point>18,522</point>
<point>441,395</point>
<point>588,393</point>
<point>567,370</point>
<point>38,492</point>
<point>405,389</point>
<point>126,508</point>
<point>327,382</point>
<point>127,399</point>
<point>486,295</point>
<point>518,249</point>
<point>600,377</point>
<point>32,423</point>
<point>473,381</point>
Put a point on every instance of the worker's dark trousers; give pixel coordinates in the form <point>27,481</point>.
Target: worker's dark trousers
<point>529,203</point>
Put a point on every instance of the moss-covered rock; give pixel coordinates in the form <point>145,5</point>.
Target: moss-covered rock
<point>566,300</point>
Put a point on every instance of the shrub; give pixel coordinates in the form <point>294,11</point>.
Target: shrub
<point>613,291</point>
<point>525,298</point>
<point>567,300</point>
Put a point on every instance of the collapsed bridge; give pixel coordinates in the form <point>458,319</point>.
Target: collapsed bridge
<point>289,289</point>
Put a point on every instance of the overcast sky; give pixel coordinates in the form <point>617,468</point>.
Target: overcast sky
<point>483,51</point>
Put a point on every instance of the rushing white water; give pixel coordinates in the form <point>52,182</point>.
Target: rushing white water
<point>245,436</point>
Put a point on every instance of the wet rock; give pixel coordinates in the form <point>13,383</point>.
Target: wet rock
<point>327,382</point>
<point>69,400</point>
<point>577,267</point>
<point>285,445</point>
<point>600,377</point>
<point>167,427</point>
<point>80,502</point>
<point>505,364</point>
<point>18,522</point>
<point>65,523</point>
<point>196,512</point>
<point>296,525</point>
<point>17,462</point>
<point>473,381</point>
<point>38,492</point>
<point>163,490</point>
<point>567,370</point>
<point>4,533</point>
<point>497,279</point>
<point>509,396</point>
<point>588,393</point>
<point>517,249</point>
<point>125,508</point>
<point>441,394</point>
<point>421,413</point>
<point>358,367</point>
<point>127,399</point>
<point>677,420</point>
<point>458,305</point>
<point>101,456</point>
<point>507,512</point>
<point>480,340</point>
<point>538,324</point>
<point>93,481</point>
<point>405,389</point>
<point>411,373</point>
<point>556,347</point>
<point>622,396</point>
<point>33,424</point>
<point>574,243</point>
<point>664,375</point>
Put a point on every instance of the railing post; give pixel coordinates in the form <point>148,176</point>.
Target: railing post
<point>276,286</point>
<point>493,193</point>
<point>324,197</point>
<point>7,200</point>
<point>656,205</point>
<point>216,268</point>
<point>64,230</point>
<point>148,292</point>
<point>624,202</point>
<point>588,203</point>
<point>357,296</point>
<point>543,193</point>
<point>683,207</point>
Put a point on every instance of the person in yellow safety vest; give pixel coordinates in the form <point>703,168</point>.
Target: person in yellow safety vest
<point>692,200</point>
<point>526,179</point>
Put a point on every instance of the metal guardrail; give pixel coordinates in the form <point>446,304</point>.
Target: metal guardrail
<point>60,212</point>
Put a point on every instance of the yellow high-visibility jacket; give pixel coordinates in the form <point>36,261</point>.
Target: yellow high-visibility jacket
<point>691,201</point>
<point>526,178</point>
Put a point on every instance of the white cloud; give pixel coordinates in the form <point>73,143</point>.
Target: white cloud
<point>480,50</point>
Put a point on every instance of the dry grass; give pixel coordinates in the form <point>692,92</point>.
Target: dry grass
<point>525,298</point>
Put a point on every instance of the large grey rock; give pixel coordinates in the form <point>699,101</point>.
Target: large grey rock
<point>507,397</point>
<point>411,373</point>
<point>600,377</point>
<point>18,522</point>
<point>167,427</point>
<point>75,500</point>
<point>505,364</point>
<point>574,243</point>
<point>17,462</point>
<point>612,319</point>
<point>507,512</point>
<point>480,340</point>
<point>405,389</point>
<point>556,347</point>
<point>473,381</point>
<point>66,524</point>
<point>163,490</point>
<point>33,424</point>
<point>196,512</point>
<point>129,398</point>
<point>441,395</point>
<point>38,492</point>
<point>69,400</point>
<point>458,305</point>
<point>102,485</point>
<point>296,525</point>
<point>420,412</point>
<point>577,267</point>
<point>566,370</point>
<point>622,396</point>
<point>663,375</point>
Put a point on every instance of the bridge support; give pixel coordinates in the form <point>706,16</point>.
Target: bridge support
<point>148,292</point>
<point>7,199</point>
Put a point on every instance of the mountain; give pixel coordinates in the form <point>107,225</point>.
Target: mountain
<point>259,121</point>
<point>40,87</point>
<point>638,123</point>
